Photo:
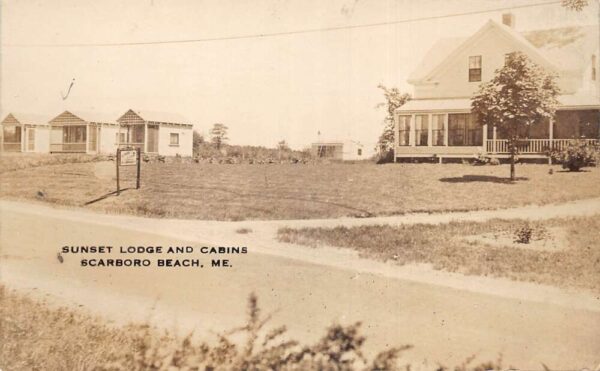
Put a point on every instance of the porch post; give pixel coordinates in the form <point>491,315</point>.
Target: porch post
<point>494,143</point>
<point>396,133</point>
<point>485,138</point>
<point>412,133</point>
<point>550,137</point>
<point>145,137</point>
<point>429,130</point>
<point>446,129</point>
<point>87,137</point>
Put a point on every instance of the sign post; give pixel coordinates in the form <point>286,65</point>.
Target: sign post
<point>129,157</point>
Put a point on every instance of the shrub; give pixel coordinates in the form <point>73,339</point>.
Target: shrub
<point>576,155</point>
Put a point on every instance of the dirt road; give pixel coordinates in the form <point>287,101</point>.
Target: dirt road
<point>443,323</point>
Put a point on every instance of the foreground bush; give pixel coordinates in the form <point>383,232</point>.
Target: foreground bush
<point>576,155</point>
<point>36,337</point>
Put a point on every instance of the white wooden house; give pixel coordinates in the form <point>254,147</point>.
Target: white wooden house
<point>438,122</point>
<point>156,133</point>
<point>23,132</point>
<point>346,150</point>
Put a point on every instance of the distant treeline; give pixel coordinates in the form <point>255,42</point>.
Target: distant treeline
<point>207,150</point>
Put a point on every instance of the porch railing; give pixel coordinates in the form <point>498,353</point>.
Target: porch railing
<point>531,146</point>
<point>68,147</point>
<point>11,146</point>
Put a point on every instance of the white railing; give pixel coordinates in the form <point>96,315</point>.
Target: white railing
<point>531,145</point>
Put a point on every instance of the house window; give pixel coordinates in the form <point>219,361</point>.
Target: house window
<point>403,130</point>
<point>475,68</point>
<point>594,67</point>
<point>421,129</point>
<point>174,139</point>
<point>464,130</point>
<point>437,130</point>
<point>359,152</point>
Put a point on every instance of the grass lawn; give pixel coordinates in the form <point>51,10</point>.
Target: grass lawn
<point>577,265</point>
<point>295,191</point>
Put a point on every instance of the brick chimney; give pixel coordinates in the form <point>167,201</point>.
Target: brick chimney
<point>509,20</point>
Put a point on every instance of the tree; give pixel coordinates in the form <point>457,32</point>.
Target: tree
<point>218,135</point>
<point>393,100</point>
<point>521,94</point>
<point>197,141</point>
<point>283,146</point>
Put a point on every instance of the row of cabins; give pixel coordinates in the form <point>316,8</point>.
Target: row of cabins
<point>438,121</point>
<point>78,132</point>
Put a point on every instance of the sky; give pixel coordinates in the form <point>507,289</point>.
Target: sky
<point>265,89</point>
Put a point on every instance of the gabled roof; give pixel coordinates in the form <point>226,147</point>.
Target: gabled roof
<point>94,116</point>
<point>154,116</point>
<point>560,49</point>
<point>566,45</point>
<point>28,118</point>
<point>86,116</point>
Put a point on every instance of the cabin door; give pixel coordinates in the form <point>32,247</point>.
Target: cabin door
<point>30,139</point>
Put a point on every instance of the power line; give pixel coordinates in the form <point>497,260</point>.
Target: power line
<point>281,33</point>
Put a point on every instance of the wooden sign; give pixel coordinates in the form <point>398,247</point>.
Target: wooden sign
<point>128,157</point>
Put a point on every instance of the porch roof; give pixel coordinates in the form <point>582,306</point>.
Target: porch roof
<point>464,104</point>
<point>428,105</point>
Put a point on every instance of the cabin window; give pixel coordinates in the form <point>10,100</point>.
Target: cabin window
<point>437,130</point>
<point>594,67</point>
<point>174,141</point>
<point>121,138</point>
<point>475,68</point>
<point>463,130</point>
<point>359,152</point>
<point>403,130</point>
<point>421,129</point>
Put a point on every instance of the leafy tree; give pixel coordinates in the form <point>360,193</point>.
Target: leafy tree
<point>283,146</point>
<point>521,94</point>
<point>393,100</point>
<point>197,141</point>
<point>576,5</point>
<point>218,135</point>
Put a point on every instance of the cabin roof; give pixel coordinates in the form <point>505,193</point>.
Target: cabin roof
<point>28,118</point>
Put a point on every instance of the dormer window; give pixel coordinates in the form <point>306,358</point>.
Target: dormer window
<point>475,68</point>
<point>594,62</point>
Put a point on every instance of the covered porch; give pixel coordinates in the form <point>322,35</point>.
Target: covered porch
<point>71,134</point>
<point>142,135</point>
<point>450,130</point>
<point>12,138</point>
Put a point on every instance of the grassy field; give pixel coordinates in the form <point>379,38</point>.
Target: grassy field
<point>575,266</point>
<point>295,191</point>
<point>15,161</point>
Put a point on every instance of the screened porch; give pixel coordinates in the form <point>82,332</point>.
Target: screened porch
<point>459,133</point>
<point>12,136</point>
<point>142,136</point>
